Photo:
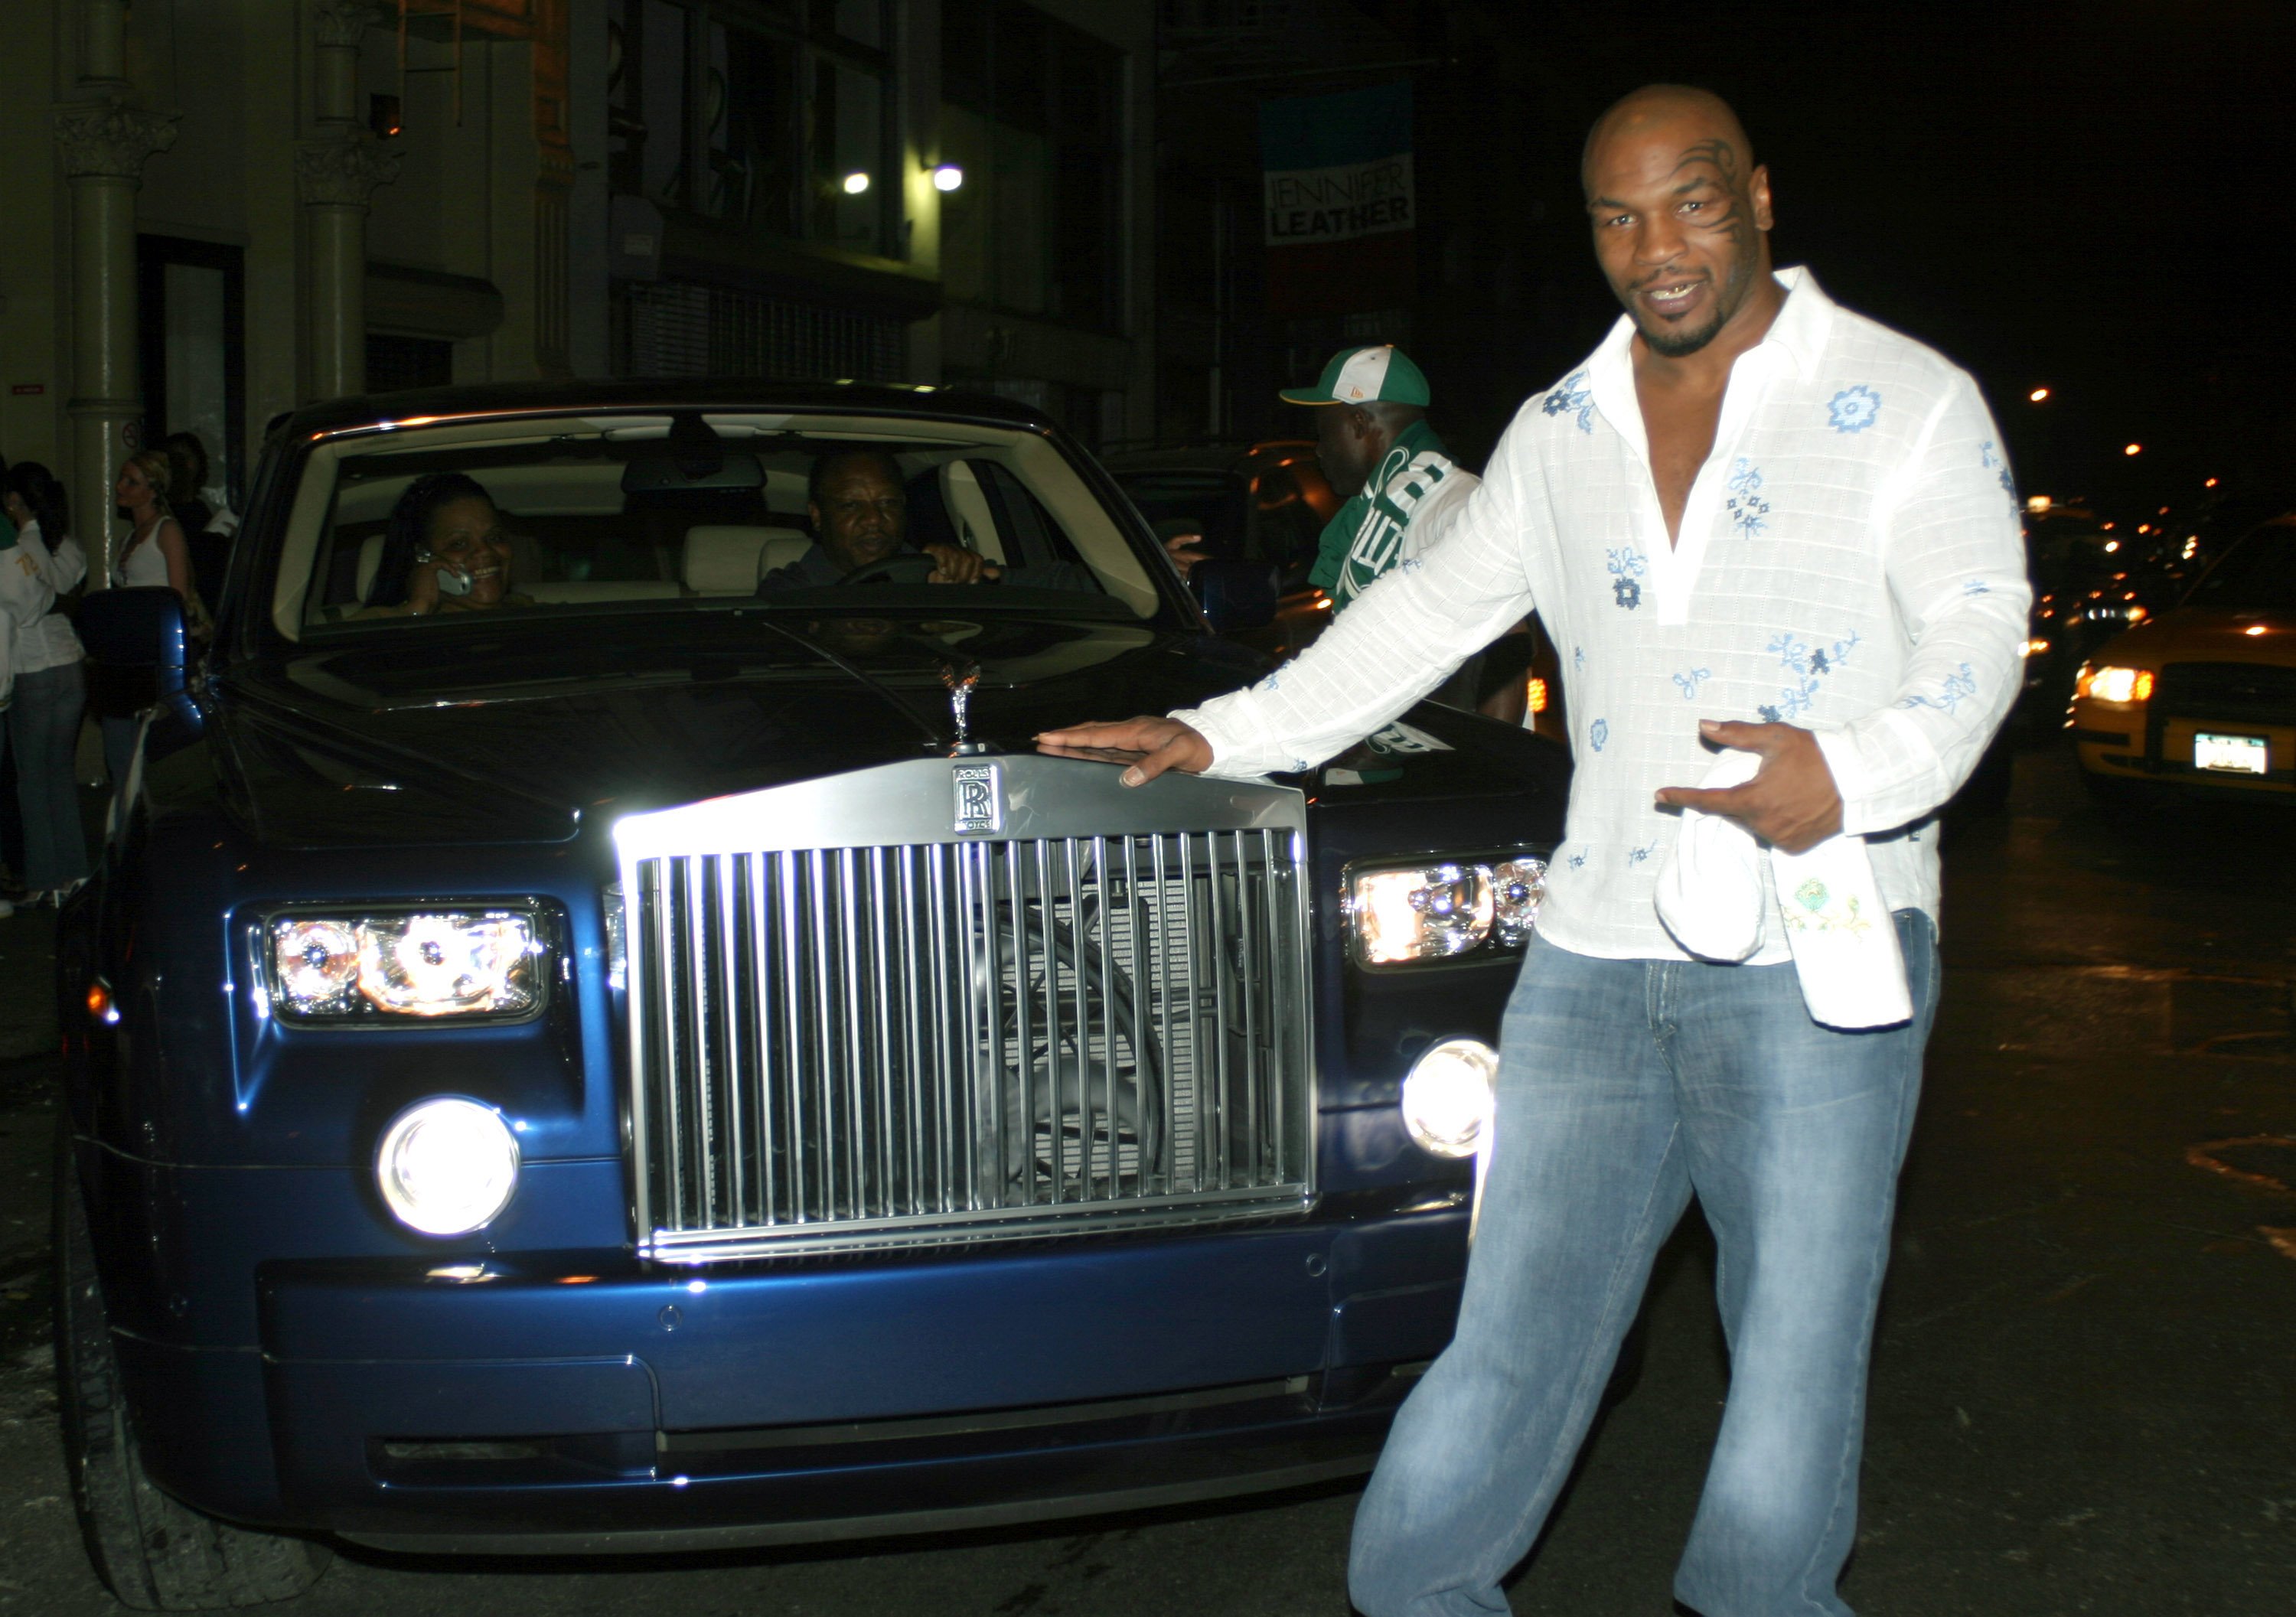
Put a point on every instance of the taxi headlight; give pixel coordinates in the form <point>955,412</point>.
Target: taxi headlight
<point>1446,1096</point>
<point>412,963</point>
<point>1439,909</point>
<point>446,1166</point>
<point>2111,683</point>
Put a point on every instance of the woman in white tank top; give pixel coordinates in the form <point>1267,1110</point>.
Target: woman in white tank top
<point>155,553</point>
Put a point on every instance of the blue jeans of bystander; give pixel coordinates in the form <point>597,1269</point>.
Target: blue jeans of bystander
<point>1625,1087</point>
<point>43,732</point>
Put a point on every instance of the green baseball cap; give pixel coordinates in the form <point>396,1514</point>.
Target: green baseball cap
<point>1358,377</point>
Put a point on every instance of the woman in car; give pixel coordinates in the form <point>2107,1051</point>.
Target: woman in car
<point>444,551</point>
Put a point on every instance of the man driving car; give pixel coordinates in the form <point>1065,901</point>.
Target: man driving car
<point>860,524</point>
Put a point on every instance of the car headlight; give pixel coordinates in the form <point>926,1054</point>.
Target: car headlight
<point>2111,683</point>
<point>427,963</point>
<point>1446,1096</point>
<point>446,1166</point>
<point>1440,909</point>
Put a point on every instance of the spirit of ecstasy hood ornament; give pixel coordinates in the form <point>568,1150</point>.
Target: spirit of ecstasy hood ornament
<point>960,678</point>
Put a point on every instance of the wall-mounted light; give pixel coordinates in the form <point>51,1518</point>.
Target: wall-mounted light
<point>856,184</point>
<point>2038,395</point>
<point>2132,450</point>
<point>382,117</point>
<point>947,177</point>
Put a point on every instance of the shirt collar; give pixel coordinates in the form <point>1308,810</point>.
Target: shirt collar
<point>1800,331</point>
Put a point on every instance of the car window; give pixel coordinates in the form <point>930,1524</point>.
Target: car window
<point>2258,574</point>
<point>645,514</point>
<point>1213,504</point>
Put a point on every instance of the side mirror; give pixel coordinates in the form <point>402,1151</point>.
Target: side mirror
<point>137,649</point>
<point>1236,594</point>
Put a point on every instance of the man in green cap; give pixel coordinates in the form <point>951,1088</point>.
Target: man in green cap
<point>1375,447</point>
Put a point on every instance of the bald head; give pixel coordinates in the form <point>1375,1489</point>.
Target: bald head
<point>1665,109</point>
<point>1681,216</point>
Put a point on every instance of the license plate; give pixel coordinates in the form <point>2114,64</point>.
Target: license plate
<point>2233,754</point>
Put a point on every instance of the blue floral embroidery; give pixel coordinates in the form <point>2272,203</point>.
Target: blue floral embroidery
<point>1688,683</point>
<point>1808,665</point>
<point>1298,766</point>
<point>1975,586</point>
<point>1958,688</point>
<point>1853,409</point>
<point>1411,564</point>
<point>1579,861</point>
<point>1994,463</point>
<point>1643,852</point>
<point>1578,657</point>
<point>1747,508</point>
<point>1572,393</point>
<point>1626,568</point>
<point>1599,732</point>
<point>1269,683</point>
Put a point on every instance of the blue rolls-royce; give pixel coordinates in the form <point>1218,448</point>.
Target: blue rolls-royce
<point>596,1032</point>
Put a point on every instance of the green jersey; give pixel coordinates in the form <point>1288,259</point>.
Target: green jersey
<point>1398,514</point>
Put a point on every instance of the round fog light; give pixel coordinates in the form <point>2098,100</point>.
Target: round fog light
<point>446,1166</point>
<point>1447,1098</point>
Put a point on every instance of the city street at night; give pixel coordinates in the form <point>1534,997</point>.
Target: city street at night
<point>2082,1395</point>
<point>1146,809</point>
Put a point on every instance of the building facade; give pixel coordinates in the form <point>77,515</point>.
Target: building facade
<point>224,210</point>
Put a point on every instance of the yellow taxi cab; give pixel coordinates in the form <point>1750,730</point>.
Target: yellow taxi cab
<point>2203,697</point>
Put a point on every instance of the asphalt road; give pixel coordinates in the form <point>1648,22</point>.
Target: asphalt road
<point>2084,1389</point>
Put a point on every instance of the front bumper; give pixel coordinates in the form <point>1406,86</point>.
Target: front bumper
<point>567,1403</point>
<point>2140,741</point>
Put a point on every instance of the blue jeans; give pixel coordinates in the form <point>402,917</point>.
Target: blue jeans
<point>1625,1086</point>
<point>44,733</point>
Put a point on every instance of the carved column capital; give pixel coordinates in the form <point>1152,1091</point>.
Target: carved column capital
<point>342,24</point>
<point>111,141</point>
<point>342,171</point>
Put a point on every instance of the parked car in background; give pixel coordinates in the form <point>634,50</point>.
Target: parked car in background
<point>2200,698</point>
<point>2089,584</point>
<point>647,1065</point>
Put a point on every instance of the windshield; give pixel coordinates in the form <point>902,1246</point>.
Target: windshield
<point>2256,574</point>
<point>400,529</point>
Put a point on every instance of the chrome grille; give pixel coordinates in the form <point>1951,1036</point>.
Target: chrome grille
<point>922,1040</point>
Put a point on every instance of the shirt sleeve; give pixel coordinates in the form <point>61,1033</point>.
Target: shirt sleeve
<point>1954,553</point>
<point>1397,641</point>
<point>1436,511</point>
<point>25,596</point>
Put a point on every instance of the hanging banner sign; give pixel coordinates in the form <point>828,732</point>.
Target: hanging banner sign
<point>1340,203</point>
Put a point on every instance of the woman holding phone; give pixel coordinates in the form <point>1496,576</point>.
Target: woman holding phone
<point>444,551</point>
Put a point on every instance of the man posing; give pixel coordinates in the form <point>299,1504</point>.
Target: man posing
<point>1748,502</point>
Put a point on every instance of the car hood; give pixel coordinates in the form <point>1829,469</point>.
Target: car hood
<point>514,736</point>
<point>2190,635</point>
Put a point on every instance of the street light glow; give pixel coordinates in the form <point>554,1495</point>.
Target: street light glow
<point>2209,484</point>
<point>2133,449</point>
<point>2038,395</point>
<point>948,176</point>
<point>856,184</point>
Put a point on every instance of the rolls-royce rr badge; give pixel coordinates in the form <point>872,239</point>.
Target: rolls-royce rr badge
<point>978,786</point>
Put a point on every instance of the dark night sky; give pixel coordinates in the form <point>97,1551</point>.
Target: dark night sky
<point>2094,197</point>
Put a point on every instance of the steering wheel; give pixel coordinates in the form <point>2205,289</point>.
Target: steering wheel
<point>908,567</point>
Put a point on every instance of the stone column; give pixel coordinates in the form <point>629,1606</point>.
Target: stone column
<point>104,146</point>
<point>336,172</point>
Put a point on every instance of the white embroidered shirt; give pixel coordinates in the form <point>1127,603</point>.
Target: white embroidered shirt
<point>1849,560</point>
